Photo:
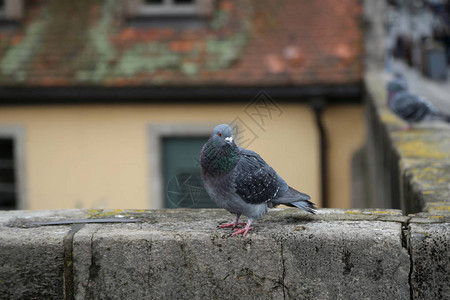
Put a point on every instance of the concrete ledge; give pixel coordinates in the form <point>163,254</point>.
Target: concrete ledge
<point>409,170</point>
<point>173,254</point>
<point>406,169</point>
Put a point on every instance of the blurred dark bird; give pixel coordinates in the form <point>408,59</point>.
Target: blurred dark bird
<point>240,181</point>
<point>410,107</point>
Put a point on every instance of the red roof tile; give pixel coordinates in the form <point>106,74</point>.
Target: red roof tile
<point>245,43</point>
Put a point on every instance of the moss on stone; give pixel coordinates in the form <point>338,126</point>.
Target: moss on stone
<point>420,148</point>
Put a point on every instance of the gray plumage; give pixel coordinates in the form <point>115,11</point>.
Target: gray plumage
<point>410,107</point>
<point>240,181</point>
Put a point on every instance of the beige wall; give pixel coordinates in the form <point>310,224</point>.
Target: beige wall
<point>98,156</point>
<point>345,128</point>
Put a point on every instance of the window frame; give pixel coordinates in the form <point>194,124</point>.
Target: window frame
<point>17,134</point>
<point>12,10</point>
<point>3,10</point>
<point>168,8</point>
<point>156,133</point>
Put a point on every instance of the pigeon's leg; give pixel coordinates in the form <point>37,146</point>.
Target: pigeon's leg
<point>233,224</point>
<point>245,229</point>
<point>407,127</point>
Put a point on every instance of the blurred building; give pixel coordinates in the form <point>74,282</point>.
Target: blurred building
<point>106,103</point>
<point>418,33</point>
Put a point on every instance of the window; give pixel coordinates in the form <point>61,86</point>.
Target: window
<point>2,9</point>
<point>12,191</point>
<point>167,8</point>
<point>11,10</point>
<point>175,179</point>
<point>181,171</point>
<point>8,195</point>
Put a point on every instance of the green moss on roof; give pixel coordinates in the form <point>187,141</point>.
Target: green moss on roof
<point>15,63</point>
<point>98,42</point>
<point>144,57</point>
<point>87,42</point>
<point>222,52</point>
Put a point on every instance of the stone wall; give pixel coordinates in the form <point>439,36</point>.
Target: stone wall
<point>408,170</point>
<point>179,254</point>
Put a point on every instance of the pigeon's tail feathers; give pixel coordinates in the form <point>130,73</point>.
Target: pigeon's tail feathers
<point>446,118</point>
<point>440,116</point>
<point>292,195</point>
<point>294,198</point>
<point>306,205</point>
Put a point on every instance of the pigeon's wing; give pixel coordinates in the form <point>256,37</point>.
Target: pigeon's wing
<point>426,102</point>
<point>409,107</point>
<point>434,113</point>
<point>255,181</point>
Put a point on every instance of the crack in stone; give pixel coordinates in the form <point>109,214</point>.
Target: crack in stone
<point>283,274</point>
<point>406,234</point>
<point>68,275</point>
<point>93,269</point>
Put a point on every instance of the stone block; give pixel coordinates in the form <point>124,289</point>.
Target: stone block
<point>32,261</point>
<point>288,255</point>
<point>430,254</point>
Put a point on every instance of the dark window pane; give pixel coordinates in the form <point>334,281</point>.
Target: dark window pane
<point>184,1</point>
<point>7,200</point>
<point>6,149</point>
<point>7,175</point>
<point>181,167</point>
<point>153,1</point>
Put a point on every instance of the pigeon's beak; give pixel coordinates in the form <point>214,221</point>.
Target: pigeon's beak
<point>229,139</point>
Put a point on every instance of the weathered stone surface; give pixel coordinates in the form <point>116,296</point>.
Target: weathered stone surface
<point>430,252</point>
<point>290,254</point>
<point>30,218</point>
<point>426,185</point>
<point>31,262</point>
<point>32,257</point>
<point>406,169</point>
<point>178,254</point>
<point>355,260</point>
<point>144,263</point>
<point>411,168</point>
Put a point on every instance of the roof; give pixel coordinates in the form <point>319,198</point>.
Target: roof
<point>270,43</point>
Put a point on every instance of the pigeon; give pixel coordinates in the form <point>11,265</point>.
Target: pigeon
<point>240,181</point>
<point>410,107</point>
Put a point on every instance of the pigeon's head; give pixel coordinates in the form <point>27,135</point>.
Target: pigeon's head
<point>219,154</point>
<point>222,135</point>
<point>397,84</point>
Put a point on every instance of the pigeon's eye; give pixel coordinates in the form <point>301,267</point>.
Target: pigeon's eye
<point>220,134</point>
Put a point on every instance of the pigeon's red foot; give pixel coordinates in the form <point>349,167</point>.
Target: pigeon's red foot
<point>241,230</point>
<point>232,225</point>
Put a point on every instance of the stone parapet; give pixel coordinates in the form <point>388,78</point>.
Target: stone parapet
<point>179,254</point>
